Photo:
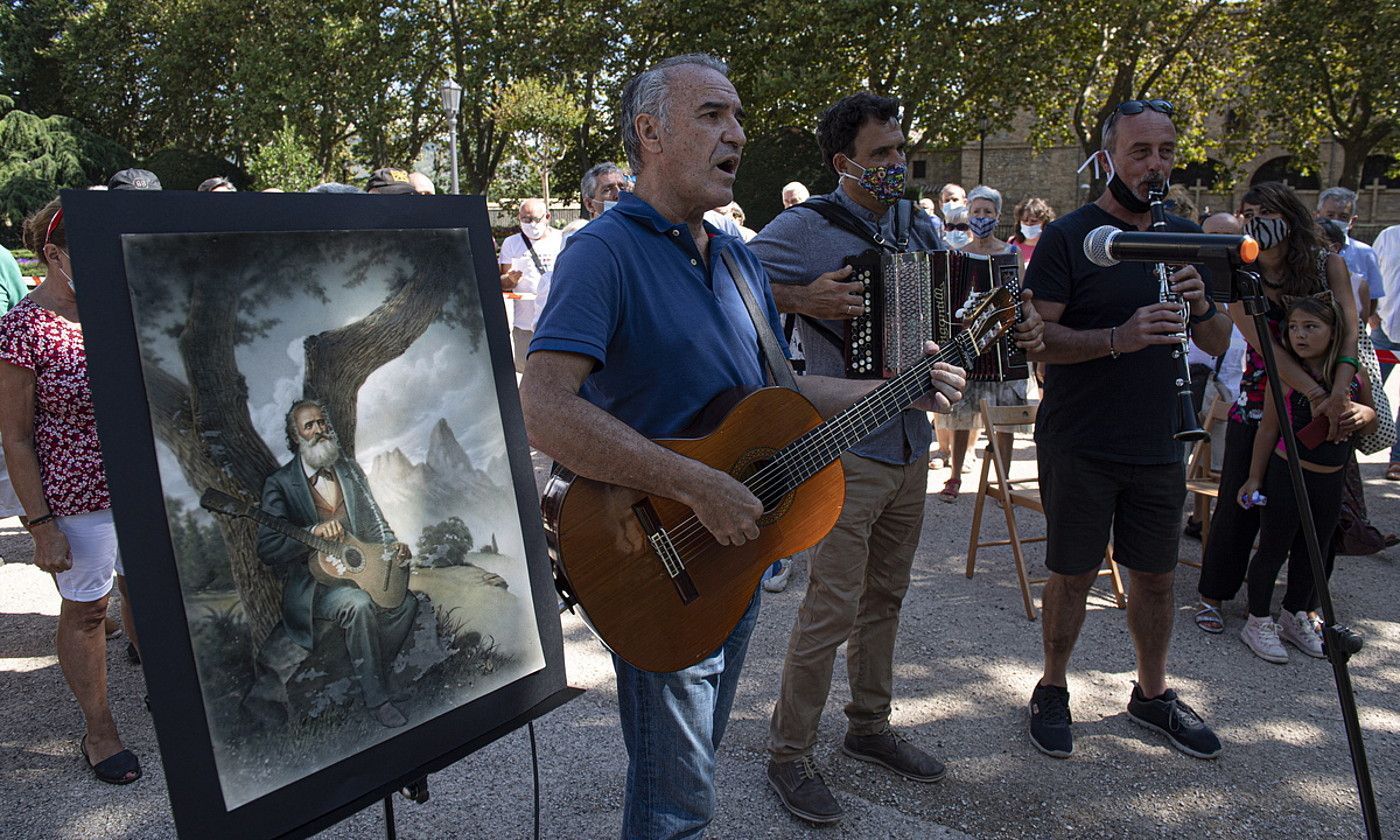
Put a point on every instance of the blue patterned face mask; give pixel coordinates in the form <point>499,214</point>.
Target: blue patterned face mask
<point>982,226</point>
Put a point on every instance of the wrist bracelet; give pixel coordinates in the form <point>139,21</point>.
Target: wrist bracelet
<point>40,520</point>
<point>1112,352</point>
<point>1211,312</point>
<point>1350,360</point>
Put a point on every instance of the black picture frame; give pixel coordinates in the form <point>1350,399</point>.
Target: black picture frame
<point>94,223</point>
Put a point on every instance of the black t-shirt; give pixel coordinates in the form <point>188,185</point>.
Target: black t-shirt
<point>1122,409</point>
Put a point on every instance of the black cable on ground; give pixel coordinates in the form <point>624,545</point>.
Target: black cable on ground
<point>535,765</point>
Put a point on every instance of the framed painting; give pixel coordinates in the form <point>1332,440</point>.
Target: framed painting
<point>322,491</point>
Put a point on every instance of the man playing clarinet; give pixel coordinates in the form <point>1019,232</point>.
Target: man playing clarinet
<point>1107,459</point>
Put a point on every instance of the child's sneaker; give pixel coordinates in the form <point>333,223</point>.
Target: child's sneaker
<point>1297,629</point>
<point>1261,634</point>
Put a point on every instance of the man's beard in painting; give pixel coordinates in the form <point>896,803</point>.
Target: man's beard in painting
<point>321,451</point>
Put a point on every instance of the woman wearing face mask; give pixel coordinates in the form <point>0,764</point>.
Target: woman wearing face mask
<point>984,209</point>
<point>55,461</point>
<point>1293,261</point>
<point>956,230</point>
<point>1032,215</point>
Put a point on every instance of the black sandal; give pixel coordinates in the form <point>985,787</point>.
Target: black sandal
<point>123,768</point>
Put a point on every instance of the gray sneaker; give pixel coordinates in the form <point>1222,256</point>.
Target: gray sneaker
<point>894,751</point>
<point>779,579</point>
<point>803,792</point>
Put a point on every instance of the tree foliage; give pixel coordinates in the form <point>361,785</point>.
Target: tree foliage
<point>41,155</point>
<point>1326,68</point>
<point>284,163</point>
<point>541,119</point>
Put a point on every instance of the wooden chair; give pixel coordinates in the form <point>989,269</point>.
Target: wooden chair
<point>1013,493</point>
<point>1201,481</point>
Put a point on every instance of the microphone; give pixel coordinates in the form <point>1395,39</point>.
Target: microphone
<point>1108,245</point>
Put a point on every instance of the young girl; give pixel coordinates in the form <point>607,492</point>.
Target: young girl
<point>1312,337</point>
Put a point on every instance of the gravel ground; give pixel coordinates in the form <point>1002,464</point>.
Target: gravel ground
<point>966,662</point>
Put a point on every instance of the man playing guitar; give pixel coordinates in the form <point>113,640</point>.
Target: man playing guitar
<point>645,328</point>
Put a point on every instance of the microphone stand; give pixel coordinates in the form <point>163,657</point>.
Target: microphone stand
<point>1249,291</point>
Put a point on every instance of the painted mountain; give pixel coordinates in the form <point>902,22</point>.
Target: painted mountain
<point>414,496</point>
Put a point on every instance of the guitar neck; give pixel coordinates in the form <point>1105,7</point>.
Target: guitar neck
<point>813,451</point>
<point>291,531</point>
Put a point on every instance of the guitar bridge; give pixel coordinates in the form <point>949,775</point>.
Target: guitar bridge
<point>665,550</point>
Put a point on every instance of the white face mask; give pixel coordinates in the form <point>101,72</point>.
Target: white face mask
<point>1030,231</point>
<point>957,238</point>
<point>950,206</point>
<point>534,230</point>
<point>608,205</point>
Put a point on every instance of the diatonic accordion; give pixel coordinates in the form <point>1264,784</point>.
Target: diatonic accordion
<point>918,296</point>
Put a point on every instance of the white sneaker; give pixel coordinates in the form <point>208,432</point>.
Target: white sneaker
<point>779,579</point>
<point>1261,634</point>
<point>1297,629</point>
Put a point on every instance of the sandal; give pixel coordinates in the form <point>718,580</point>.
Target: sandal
<point>1208,618</point>
<point>123,768</point>
<point>1392,473</point>
<point>949,493</point>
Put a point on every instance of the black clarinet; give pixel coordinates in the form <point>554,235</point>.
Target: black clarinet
<point>1190,428</point>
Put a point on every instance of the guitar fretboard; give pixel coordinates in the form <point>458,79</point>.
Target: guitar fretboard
<point>813,451</point>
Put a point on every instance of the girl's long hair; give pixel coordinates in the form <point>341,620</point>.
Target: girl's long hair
<point>1306,274</point>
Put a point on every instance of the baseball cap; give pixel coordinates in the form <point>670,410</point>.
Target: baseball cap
<point>134,179</point>
<point>389,182</point>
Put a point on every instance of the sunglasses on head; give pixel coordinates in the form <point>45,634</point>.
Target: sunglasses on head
<point>1137,106</point>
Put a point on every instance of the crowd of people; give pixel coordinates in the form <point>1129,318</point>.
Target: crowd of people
<point>660,273</point>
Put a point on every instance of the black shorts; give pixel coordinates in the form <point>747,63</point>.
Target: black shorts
<point>1086,498</point>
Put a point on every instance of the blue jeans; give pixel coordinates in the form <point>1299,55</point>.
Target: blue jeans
<point>672,724</point>
<point>1383,342</point>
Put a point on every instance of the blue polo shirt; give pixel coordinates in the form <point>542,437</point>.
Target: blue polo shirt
<point>667,332</point>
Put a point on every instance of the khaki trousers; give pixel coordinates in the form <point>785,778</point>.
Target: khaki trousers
<point>520,346</point>
<point>859,575</point>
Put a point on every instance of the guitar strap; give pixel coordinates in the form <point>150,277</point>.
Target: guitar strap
<point>772,354</point>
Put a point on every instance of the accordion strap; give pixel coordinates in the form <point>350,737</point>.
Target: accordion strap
<point>772,354</point>
<point>847,221</point>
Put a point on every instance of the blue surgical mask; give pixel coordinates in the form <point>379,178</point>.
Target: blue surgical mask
<point>957,238</point>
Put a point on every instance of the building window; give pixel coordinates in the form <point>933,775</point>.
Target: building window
<point>920,170</point>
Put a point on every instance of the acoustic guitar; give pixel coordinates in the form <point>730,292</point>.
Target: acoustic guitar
<point>652,582</point>
<point>373,567</point>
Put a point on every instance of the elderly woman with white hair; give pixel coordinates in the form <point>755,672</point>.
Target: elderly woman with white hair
<point>983,213</point>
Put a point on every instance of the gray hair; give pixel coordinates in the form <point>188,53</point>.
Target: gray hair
<point>333,187</point>
<point>649,93</point>
<point>590,178</point>
<point>956,215</point>
<point>293,438</point>
<point>1338,195</point>
<point>984,191</point>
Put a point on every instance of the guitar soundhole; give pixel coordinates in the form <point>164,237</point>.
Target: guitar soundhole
<point>773,493</point>
<point>354,560</point>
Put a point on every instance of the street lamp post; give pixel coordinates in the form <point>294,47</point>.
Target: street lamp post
<point>451,101</point>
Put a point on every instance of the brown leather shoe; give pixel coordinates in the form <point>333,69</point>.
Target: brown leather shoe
<point>803,792</point>
<point>894,751</point>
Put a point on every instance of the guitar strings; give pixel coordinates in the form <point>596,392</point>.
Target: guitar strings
<point>685,533</point>
<point>690,534</point>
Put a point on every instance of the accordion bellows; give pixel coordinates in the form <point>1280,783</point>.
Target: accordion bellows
<point>918,296</point>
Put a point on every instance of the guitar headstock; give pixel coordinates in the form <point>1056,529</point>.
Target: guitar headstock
<point>987,316</point>
<point>221,502</point>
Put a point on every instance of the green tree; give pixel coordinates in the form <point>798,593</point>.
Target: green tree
<point>41,155</point>
<point>285,163</point>
<point>1326,68</point>
<point>1080,58</point>
<point>446,543</point>
<point>541,119</point>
